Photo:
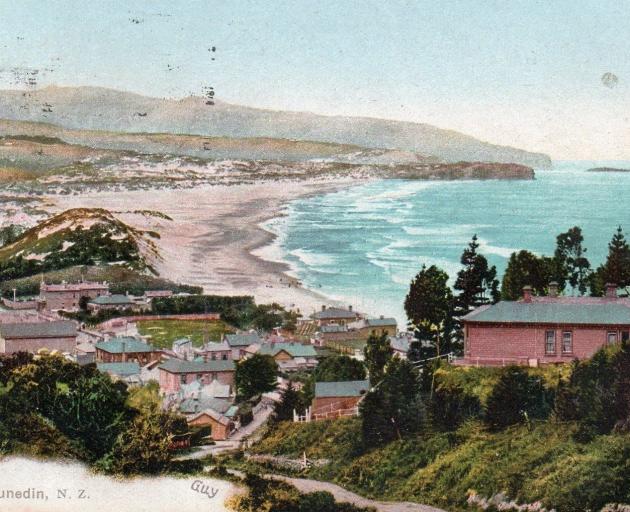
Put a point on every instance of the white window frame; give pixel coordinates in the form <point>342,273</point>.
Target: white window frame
<point>547,351</point>
<point>613,335</point>
<point>564,342</point>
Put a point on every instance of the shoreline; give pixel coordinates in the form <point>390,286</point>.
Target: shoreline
<point>217,238</point>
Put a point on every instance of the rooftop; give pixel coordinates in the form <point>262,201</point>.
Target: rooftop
<point>242,340</point>
<point>555,311</point>
<point>331,313</point>
<point>197,366</point>
<point>341,389</point>
<point>120,369</point>
<point>41,329</point>
<point>73,287</point>
<point>125,344</point>
<point>111,300</point>
<point>293,349</point>
<point>380,322</point>
<point>333,328</point>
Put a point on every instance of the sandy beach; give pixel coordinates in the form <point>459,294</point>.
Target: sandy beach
<point>215,239</point>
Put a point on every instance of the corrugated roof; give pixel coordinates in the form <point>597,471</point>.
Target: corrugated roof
<point>242,340</point>
<point>111,300</point>
<point>329,313</point>
<point>124,343</point>
<point>197,366</point>
<point>380,322</point>
<point>54,329</point>
<point>293,349</point>
<point>341,389</point>
<point>120,369</point>
<point>603,313</point>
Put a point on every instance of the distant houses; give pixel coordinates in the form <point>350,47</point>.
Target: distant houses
<point>337,316</point>
<point>239,342</point>
<point>67,296</point>
<point>175,372</point>
<point>543,330</point>
<point>126,349</point>
<point>290,356</point>
<point>24,332</point>
<point>114,302</point>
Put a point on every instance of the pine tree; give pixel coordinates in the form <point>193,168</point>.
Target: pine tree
<point>291,400</point>
<point>378,352</point>
<point>617,266</point>
<point>572,266</point>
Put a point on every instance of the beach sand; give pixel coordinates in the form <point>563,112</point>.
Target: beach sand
<point>215,239</point>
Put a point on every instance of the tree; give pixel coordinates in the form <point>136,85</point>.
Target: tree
<point>144,447</point>
<point>393,409</point>
<point>256,374</point>
<point>291,400</point>
<point>378,352</point>
<point>515,398</point>
<point>477,284</point>
<point>616,269</point>
<point>570,256</point>
<point>429,308</point>
<point>339,368</point>
<point>526,269</point>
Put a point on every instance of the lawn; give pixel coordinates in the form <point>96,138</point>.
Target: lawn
<point>164,332</point>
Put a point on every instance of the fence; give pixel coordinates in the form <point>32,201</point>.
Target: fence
<point>121,320</point>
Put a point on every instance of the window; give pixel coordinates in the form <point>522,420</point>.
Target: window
<point>612,337</point>
<point>182,378</point>
<point>200,376</point>
<point>224,357</point>
<point>550,342</point>
<point>625,336</point>
<point>567,342</point>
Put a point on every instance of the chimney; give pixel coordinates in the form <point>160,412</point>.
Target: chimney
<point>527,293</point>
<point>553,289</point>
<point>124,357</point>
<point>382,317</point>
<point>350,308</point>
<point>611,291</point>
<point>323,307</point>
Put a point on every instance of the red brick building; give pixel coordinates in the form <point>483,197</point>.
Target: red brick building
<point>175,372</point>
<point>336,399</point>
<point>126,349</point>
<point>66,296</point>
<point>542,330</point>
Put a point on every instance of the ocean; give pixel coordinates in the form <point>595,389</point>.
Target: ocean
<point>363,245</point>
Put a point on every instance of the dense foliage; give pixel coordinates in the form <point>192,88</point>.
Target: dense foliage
<point>255,375</point>
<point>378,352</point>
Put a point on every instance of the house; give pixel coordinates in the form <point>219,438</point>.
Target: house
<point>128,371</point>
<point>30,333</point>
<point>215,351</point>
<point>336,399</point>
<point>337,316</point>
<point>175,372</point>
<point>400,344</point>
<point>221,425</point>
<point>157,294</point>
<point>125,348</point>
<point>112,302</point>
<point>239,342</point>
<point>290,356</point>
<point>85,353</point>
<point>542,330</point>
<point>368,326</point>
<point>66,296</point>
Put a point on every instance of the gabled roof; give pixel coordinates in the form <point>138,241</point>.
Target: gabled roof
<point>576,313</point>
<point>197,366</point>
<point>54,329</point>
<point>120,369</point>
<point>112,300</point>
<point>195,405</point>
<point>242,340</point>
<point>380,322</point>
<point>293,349</point>
<point>219,418</point>
<point>341,389</point>
<point>124,344</point>
<point>331,313</point>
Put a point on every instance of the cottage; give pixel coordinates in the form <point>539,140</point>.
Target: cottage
<point>368,326</point>
<point>336,399</point>
<point>221,426</point>
<point>67,296</point>
<point>124,349</point>
<point>337,316</point>
<point>32,333</point>
<point>290,356</point>
<point>541,330</point>
<point>215,351</point>
<point>112,302</point>
<point>239,342</point>
<point>175,372</point>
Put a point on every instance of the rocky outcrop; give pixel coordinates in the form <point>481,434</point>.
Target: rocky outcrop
<point>465,171</point>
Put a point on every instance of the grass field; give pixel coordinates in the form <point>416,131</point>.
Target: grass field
<point>164,332</point>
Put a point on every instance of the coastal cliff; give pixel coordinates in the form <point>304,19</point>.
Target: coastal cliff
<point>465,171</point>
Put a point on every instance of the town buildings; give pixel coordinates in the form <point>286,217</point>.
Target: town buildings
<point>126,349</point>
<point>67,296</point>
<point>337,399</point>
<point>239,342</point>
<point>175,372</point>
<point>30,332</point>
<point>290,356</point>
<point>113,302</point>
<point>542,330</point>
<point>338,316</point>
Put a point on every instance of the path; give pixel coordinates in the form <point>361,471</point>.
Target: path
<point>306,485</point>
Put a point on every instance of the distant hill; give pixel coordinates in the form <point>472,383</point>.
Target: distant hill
<point>608,169</point>
<point>93,108</point>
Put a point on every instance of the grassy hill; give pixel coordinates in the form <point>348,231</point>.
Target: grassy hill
<point>80,236</point>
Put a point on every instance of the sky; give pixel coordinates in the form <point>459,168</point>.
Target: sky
<point>526,74</point>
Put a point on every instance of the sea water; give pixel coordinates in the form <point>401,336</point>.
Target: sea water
<point>364,244</point>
